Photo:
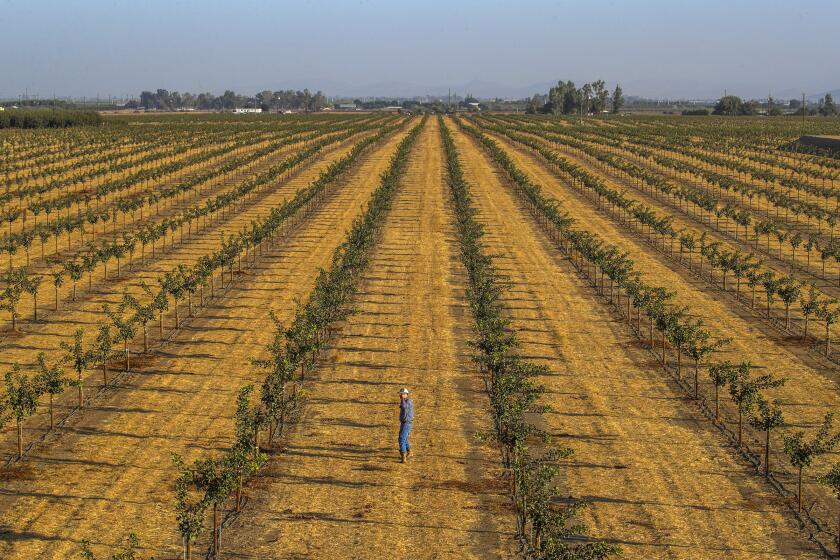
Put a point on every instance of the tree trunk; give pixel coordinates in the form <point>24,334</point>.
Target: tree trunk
<point>20,438</point>
<point>215,528</point>
<point>767,454</point>
<point>239,493</point>
<point>799,492</point>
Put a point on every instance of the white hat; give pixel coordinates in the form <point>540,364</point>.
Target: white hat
<point>403,391</point>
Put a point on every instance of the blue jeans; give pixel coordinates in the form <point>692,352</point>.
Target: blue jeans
<point>405,429</point>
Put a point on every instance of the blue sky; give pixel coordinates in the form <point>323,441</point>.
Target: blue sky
<point>652,47</point>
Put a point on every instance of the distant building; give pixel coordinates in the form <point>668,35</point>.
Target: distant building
<point>244,110</point>
<point>347,107</point>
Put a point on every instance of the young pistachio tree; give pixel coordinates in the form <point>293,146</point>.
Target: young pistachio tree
<point>22,394</point>
<point>832,480</point>
<point>809,303</point>
<point>58,281</point>
<point>79,358</point>
<point>722,374</point>
<point>103,349</point>
<point>245,458</point>
<point>51,380</point>
<point>242,463</point>
<point>143,314</point>
<point>789,291</point>
<point>274,394</point>
<point>701,347</point>
<point>190,505</point>
<point>74,271</point>
<point>745,392</point>
<point>771,285</point>
<point>173,284</point>
<point>754,279</point>
<point>249,420</point>
<point>769,416</point>
<point>682,335</point>
<point>31,286</point>
<point>828,312</point>
<point>217,480</point>
<point>128,553</point>
<point>124,328</point>
<point>801,452</point>
<point>15,281</point>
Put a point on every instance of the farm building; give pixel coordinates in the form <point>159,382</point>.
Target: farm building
<point>244,110</point>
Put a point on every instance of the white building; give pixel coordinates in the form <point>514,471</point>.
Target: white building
<point>244,110</point>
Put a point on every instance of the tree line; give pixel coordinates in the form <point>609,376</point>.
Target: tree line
<point>47,118</point>
<point>732,105</point>
<point>164,100</point>
<point>567,99</point>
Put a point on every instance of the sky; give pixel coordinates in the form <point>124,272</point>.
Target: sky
<point>653,48</point>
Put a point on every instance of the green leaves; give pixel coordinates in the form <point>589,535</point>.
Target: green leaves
<point>22,393</point>
<point>548,530</point>
<point>128,553</point>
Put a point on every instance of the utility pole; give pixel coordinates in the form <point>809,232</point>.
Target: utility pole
<point>803,113</point>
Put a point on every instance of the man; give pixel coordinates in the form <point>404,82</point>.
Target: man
<point>406,420</point>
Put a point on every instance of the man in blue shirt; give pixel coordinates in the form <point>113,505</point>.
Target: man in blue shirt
<point>406,420</point>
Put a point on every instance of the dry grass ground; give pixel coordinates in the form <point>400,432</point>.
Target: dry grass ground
<point>812,383</point>
<point>339,490</point>
<point>663,483</point>
<point>59,326</point>
<point>109,472</point>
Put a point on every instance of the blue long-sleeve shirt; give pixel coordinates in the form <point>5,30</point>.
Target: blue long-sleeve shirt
<point>406,411</point>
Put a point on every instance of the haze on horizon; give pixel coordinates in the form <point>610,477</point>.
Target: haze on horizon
<point>654,48</point>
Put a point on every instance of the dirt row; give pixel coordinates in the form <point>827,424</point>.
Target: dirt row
<point>339,490</point>
<point>663,482</point>
<point>87,311</point>
<point>109,472</point>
